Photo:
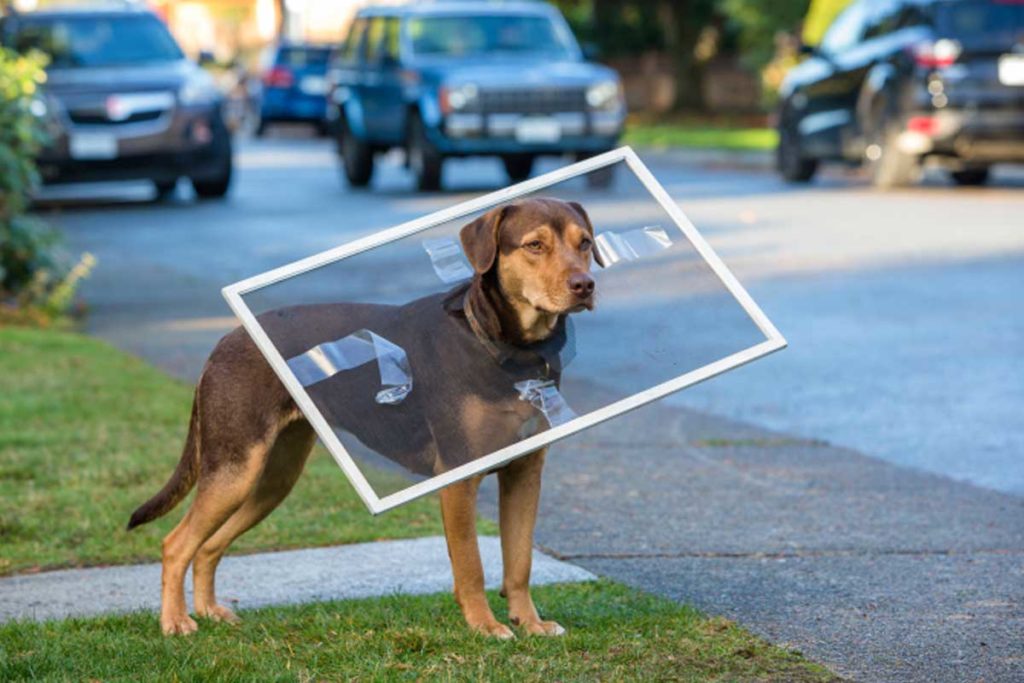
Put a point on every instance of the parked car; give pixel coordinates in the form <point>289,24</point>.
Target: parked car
<point>122,102</point>
<point>452,79</point>
<point>899,83</point>
<point>295,86</point>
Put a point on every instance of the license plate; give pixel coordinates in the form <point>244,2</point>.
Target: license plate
<point>1011,69</point>
<point>93,146</point>
<point>538,130</point>
<point>313,85</point>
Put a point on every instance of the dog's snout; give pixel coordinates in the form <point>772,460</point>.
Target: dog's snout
<point>581,284</point>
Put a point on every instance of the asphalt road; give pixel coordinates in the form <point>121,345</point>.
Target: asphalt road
<point>811,495</point>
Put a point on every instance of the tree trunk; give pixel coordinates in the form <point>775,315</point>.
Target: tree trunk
<point>683,21</point>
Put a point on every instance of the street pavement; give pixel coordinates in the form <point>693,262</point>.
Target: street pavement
<point>857,495</point>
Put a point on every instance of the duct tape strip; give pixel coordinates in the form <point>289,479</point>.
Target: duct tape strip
<point>361,347</point>
<point>448,259</point>
<point>631,244</point>
<point>544,396</point>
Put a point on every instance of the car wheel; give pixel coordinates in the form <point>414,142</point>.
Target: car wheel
<point>518,166</point>
<point>600,179</point>
<point>970,176</point>
<point>424,159</point>
<point>217,185</point>
<point>790,161</point>
<point>889,166</point>
<point>356,158</point>
<point>165,189</point>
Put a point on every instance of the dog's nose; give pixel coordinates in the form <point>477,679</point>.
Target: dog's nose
<point>581,284</point>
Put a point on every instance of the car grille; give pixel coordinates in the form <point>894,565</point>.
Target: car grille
<point>532,100</point>
<point>89,116</point>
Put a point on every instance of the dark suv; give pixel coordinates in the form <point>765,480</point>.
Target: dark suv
<point>446,79</point>
<point>899,83</point>
<point>121,101</point>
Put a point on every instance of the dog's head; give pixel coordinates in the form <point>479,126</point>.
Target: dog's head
<point>539,252</point>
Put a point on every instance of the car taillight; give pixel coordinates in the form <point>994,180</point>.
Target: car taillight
<point>936,54</point>
<point>279,77</point>
<point>926,125</point>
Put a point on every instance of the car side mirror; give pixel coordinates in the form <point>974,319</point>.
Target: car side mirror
<point>206,58</point>
<point>389,62</point>
<point>591,51</point>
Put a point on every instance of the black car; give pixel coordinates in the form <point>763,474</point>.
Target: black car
<point>896,84</point>
<point>121,101</point>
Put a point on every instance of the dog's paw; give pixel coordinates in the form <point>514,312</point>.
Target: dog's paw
<point>220,613</point>
<point>543,628</point>
<point>182,625</point>
<point>494,629</point>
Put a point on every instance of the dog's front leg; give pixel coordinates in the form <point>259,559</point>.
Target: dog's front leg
<point>519,495</point>
<point>458,511</point>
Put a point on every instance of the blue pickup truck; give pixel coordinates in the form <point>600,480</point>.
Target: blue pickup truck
<point>450,79</point>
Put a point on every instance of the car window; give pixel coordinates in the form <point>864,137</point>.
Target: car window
<point>350,51</point>
<point>980,22</point>
<point>490,34</point>
<point>97,40</point>
<point>391,41</point>
<point>847,30</point>
<point>302,57</point>
<point>374,39</point>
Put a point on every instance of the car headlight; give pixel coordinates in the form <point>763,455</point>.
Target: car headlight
<point>604,95</point>
<point>199,88</point>
<point>458,97</point>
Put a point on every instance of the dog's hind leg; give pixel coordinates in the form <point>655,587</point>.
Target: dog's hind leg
<point>283,468</point>
<point>220,493</point>
<point>458,511</point>
<point>518,498</point>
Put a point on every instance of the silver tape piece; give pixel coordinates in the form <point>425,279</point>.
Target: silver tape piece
<point>544,396</point>
<point>361,347</point>
<point>448,259</point>
<point>631,245</point>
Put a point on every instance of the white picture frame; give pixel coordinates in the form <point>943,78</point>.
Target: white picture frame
<point>234,294</point>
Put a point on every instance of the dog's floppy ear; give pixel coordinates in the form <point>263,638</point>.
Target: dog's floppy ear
<point>480,238</point>
<point>590,228</point>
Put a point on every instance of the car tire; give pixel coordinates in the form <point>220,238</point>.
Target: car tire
<point>602,178</point>
<point>165,189</point>
<point>889,166</point>
<point>217,186</point>
<point>518,166</point>
<point>790,161</point>
<point>356,157</point>
<point>970,176</point>
<point>425,161</point>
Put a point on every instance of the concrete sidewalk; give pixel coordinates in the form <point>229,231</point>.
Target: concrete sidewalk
<point>417,566</point>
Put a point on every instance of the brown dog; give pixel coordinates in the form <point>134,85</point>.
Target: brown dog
<point>247,441</point>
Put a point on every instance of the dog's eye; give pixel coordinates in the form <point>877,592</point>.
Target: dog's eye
<point>585,245</point>
<point>534,245</point>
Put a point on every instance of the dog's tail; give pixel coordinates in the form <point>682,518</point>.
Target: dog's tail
<point>181,481</point>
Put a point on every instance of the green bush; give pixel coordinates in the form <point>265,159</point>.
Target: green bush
<point>37,279</point>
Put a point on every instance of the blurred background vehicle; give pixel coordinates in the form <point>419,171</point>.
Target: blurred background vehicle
<point>453,79</point>
<point>294,86</point>
<point>121,101</point>
<point>896,84</point>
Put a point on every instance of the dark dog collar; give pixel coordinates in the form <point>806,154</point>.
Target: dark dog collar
<point>551,354</point>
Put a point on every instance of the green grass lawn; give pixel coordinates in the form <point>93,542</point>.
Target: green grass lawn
<point>614,634</point>
<point>699,135</point>
<point>87,433</point>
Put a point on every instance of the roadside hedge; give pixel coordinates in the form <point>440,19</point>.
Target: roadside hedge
<point>37,279</point>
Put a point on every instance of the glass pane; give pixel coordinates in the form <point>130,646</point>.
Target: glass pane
<point>413,386</point>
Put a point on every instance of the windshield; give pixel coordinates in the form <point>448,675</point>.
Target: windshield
<point>982,22</point>
<point>493,34</point>
<point>97,40</point>
<point>303,57</point>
